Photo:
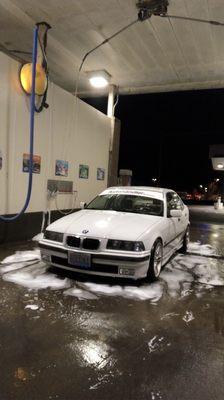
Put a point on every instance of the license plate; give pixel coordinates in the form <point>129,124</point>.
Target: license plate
<point>79,260</point>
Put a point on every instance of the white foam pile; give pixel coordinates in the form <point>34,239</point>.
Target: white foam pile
<point>152,292</point>
<point>31,280</point>
<point>32,307</point>
<point>202,249</point>
<point>80,294</point>
<point>210,274</point>
<point>22,256</point>
<point>22,272</point>
<point>19,260</point>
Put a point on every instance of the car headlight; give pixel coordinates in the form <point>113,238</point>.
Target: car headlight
<point>55,236</point>
<point>125,245</point>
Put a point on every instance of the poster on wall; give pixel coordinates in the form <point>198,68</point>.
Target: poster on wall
<point>83,171</point>
<point>36,163</point>
<point>0,159</point>
<point>61,168</point>
<point>100,174</point>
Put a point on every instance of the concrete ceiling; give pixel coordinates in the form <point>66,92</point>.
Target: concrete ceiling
<point>155,55</point>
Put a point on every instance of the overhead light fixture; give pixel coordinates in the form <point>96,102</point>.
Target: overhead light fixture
<point>220,166</point>
<point>26,79</point>
<point>99,79</point>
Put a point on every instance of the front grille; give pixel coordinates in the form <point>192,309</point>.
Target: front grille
<point>90,244</point>
<point>73,241</point>
<point>55,236</point>
<point>107,269</point>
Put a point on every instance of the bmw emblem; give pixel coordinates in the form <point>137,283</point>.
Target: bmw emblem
<point>85,231</point>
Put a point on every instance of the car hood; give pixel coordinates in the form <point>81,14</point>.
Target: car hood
<point>105,224</point>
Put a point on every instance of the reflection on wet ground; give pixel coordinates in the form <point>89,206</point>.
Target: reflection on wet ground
<point>65,338</point>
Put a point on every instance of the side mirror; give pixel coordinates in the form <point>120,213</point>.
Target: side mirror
<point>175,213</point>
<point>82,205</point>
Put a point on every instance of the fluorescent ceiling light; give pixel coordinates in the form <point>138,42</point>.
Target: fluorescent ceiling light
<point>99,79</point>
<point>98,82</point>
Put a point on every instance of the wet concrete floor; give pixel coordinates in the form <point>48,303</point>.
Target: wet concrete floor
<point>113,347</point>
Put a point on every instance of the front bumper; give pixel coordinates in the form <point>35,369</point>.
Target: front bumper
<point>119,265</point>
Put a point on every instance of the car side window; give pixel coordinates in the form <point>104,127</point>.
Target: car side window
<point>174,202</point>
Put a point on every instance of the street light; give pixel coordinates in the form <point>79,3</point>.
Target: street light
<point>220,166</point>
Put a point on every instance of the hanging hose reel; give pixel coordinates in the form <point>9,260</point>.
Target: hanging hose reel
<point>41,84</point>
<point>147,8</point>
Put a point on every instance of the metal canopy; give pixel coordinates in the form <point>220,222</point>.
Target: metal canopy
<point>156,55</point>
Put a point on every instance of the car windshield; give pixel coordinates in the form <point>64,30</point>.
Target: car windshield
<point>127,203</point>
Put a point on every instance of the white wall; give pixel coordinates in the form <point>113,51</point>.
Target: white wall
<point>67,130</point>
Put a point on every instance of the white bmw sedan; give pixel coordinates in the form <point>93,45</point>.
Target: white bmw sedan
<point>124,232</point>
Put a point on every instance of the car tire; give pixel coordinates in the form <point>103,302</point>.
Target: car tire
<point>186,239</point>
<point>156,260</point>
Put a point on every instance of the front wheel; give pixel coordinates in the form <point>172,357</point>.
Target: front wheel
<point>156,260</point>
<point>186,241</point>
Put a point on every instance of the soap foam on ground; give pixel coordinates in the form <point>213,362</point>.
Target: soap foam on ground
<point>202,249</point>
<point>80,294</point>
<point>22,256</point>
<point>153,291</point>
<point>36,277</point>
<point>176,279</point>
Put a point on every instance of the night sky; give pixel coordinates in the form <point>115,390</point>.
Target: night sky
<point>167,136</point>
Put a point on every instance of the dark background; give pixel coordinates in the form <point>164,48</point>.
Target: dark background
<point>167,136</point>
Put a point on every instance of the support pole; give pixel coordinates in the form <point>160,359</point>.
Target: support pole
<point>114,139</point>
<point>110,103</point>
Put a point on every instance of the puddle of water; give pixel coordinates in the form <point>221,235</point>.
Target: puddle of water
<point>92,353</point>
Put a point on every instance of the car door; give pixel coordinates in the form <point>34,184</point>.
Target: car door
<point>170,229</point>
<point>177,225</point>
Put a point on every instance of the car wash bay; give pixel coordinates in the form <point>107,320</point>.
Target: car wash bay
<point>65,336</point>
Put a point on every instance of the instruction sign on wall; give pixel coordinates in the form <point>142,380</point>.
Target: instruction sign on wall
<point>36,163</point>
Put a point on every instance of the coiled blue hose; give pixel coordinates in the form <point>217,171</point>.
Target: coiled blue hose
<point>32,113</point>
